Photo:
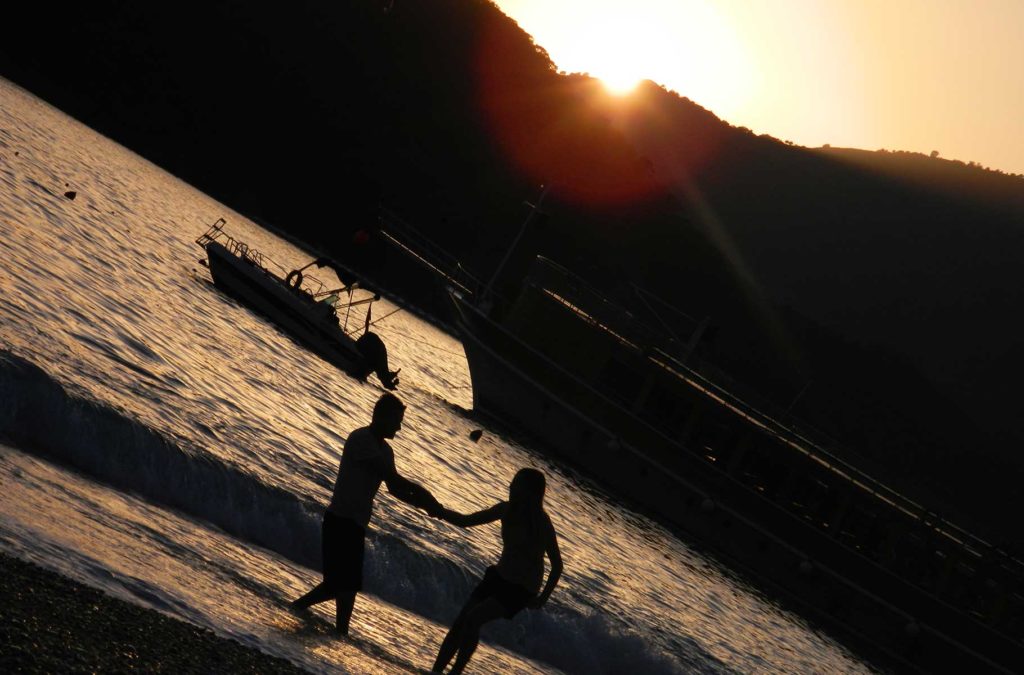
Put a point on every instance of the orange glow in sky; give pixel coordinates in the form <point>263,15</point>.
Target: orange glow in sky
<point>916,75</point>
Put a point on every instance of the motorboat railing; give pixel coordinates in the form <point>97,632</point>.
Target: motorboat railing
<point>309,287</point>
<point>216,233</point>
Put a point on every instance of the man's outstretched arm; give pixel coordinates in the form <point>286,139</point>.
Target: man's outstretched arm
<point>413,493</point>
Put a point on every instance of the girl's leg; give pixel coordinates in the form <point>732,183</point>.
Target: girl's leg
<point>485,611</point>
<point>451,640</point>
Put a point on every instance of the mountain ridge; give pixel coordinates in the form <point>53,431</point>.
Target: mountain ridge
<point>808,260</point>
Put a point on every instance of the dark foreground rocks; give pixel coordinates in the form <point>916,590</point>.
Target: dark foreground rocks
<point>50,624</point>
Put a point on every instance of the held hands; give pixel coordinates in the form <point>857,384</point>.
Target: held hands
<point>448,516</point>
<point>441,513</point>
<point>444,514</point>
<point>434,508</point>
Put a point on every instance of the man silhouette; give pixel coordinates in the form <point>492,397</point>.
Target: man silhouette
<point>366,461</point>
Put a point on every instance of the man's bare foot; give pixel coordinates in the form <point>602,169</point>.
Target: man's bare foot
<point>299,610</point>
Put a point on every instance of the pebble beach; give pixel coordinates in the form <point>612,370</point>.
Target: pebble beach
<point>50,624</point>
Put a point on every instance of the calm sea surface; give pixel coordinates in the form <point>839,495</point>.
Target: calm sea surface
<point>167,445</point>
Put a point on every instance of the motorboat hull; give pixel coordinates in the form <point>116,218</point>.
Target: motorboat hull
<point>298,316</point>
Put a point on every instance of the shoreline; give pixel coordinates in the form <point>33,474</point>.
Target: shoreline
<point>50,623</point>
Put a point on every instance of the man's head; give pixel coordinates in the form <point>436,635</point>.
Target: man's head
<point>387,415</point>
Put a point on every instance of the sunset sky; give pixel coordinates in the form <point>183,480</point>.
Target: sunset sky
<point>917,75</point>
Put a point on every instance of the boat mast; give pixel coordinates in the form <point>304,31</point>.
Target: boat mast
<point>485,297</point>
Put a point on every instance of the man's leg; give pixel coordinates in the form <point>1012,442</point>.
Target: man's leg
<point>324,590</point>
<point>320,593</point>
<point>344,603</point>
<point>348,560</point>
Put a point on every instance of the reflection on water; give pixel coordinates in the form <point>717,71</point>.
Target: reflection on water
<point>106,295</point>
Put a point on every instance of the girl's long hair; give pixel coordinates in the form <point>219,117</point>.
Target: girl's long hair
<point>526,490</point>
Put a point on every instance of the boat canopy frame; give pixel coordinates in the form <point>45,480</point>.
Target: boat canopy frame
<point>313,288</point>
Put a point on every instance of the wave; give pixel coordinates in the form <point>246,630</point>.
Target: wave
<point>39,416</point>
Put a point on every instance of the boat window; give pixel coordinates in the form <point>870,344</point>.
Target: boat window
<point>1013,622</point>
<point>663,409</point>
<point>620,382</point>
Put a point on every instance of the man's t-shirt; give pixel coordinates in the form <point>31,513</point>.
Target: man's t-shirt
<point>365,462</point>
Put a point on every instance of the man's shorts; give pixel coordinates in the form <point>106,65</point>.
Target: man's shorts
<point>343,544</point>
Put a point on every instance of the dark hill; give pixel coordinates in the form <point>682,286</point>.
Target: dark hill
<point>873,294</point>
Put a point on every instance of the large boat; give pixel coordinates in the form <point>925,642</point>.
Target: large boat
<point>624,402</point>
<point>300,304</point>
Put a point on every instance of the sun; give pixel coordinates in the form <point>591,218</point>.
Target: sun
<point>606,47</point>
<point>690,46</point>
<point>621,82</point>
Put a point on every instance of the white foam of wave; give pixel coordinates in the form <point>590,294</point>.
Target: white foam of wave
<point>39,416</point>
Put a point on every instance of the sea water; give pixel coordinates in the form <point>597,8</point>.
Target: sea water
<point>171,447</point>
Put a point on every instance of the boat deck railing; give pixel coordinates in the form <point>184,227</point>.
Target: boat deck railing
<point>608,314</point>
<point>237,248</point>
<point>664,351</point>
<point>311,285</point>
<point>423,250</point>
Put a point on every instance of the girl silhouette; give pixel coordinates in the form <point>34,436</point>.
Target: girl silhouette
<point>526,535</point>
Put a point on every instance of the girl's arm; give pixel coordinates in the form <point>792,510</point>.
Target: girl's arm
<point>555,556</point>
<point>479,518</point>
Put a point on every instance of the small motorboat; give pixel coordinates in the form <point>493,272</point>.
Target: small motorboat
<point>301,305</point>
